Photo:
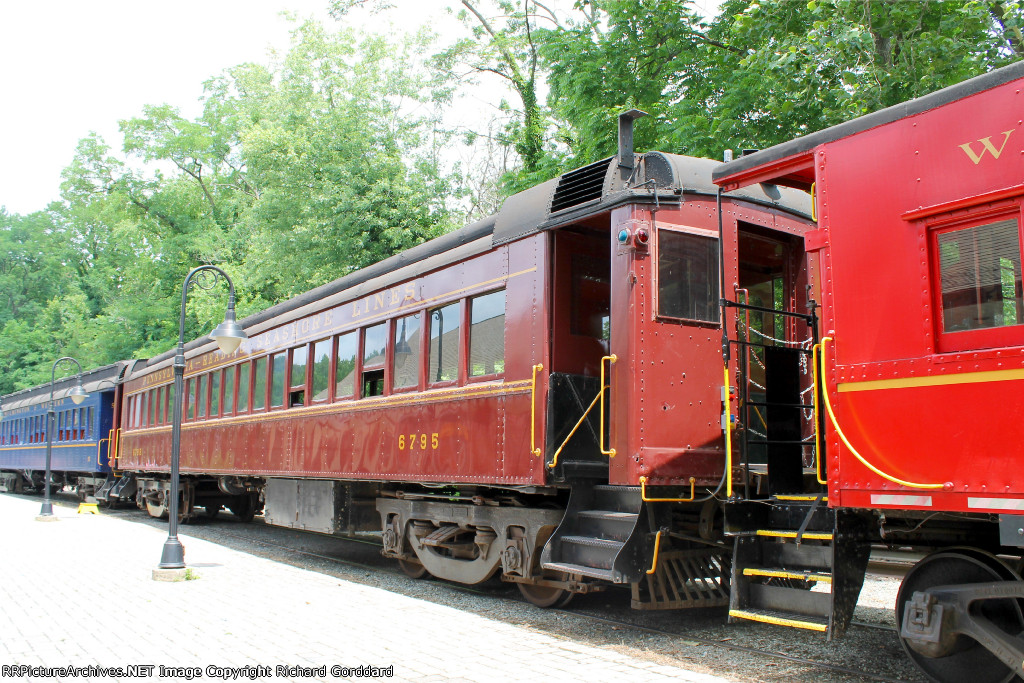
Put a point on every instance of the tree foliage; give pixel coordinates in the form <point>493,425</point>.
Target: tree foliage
<point>331,156</point>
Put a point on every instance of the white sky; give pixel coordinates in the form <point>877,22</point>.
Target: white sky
<point>68,67</point>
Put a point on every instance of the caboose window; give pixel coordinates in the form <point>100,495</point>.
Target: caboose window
<point>259,384</point>
<point>980,275</point>
<point>345,368</point>
<point>321,369</point>
<point>407,351</point>
<point>687,276</point>
<point>445,330</point>
<point>487,334</point>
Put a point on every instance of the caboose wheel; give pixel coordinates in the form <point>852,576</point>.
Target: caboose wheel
<point>966,660</point>
<point>413,570</point>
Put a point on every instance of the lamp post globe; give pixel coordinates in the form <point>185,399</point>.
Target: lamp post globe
<point>228,336</point>
<point>78,394</point>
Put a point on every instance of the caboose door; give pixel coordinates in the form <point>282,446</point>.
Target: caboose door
<point>773,335</point>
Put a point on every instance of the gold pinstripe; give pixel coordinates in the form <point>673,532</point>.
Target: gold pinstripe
<point>510,389</point>
<point>934,380</point>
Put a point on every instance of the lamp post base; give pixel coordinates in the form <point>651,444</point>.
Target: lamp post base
<point>173,555</point>
<point>171,575</point>
<point>46,509</point>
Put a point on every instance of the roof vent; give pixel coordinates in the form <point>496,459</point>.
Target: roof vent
<point>580,186</point>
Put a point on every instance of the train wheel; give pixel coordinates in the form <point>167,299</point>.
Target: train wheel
<point>966,660</point>
<point>157,510</point>
<point>413,570</point>
<point>243,507</point>
<point>547,596</point>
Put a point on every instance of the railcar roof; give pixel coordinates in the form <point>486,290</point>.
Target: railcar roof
<point>791,161</point>
<point>657,178</point>
<point>99,379</point>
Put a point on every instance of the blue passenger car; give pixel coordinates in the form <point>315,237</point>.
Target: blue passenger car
<point>82,433</point>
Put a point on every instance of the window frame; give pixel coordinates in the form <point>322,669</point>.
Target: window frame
<point>461,353</point>
<point>978,339</point>
<point>467,317</point>
<point>392,349</point>
<point>691,231</point>
<point>354,394</point>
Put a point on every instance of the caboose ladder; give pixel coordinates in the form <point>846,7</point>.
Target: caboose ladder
<point>600,536</point>
<point>800,565</point>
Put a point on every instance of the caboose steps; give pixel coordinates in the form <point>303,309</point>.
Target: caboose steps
<point>600,536</point>
<point>800,564</point>
<point>766,616</point>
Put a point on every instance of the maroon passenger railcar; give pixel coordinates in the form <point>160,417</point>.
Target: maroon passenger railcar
<point>539,394</point>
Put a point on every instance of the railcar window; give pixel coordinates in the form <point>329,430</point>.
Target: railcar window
<point>375,340</point>
<point>88,422</point>
<point>321,369</point>
<point>201,398</point>
<point>145,407</point>
<point>345,367</point>
<point>215,393</point>
<point>297,378</point>
<point>277,375</point>
<point>229,388</point>
<point>687,276</point>
<point>259,384</point>
<point>487,334</point>
<point>190,399</point>
<point>242,402</point>
<point>170,404</point>
<point>980,275</point>
<point>445,333</point>
<point>136,420</point>
<point>152,406</point>
<point>407,351</point>
<point>158,396</point>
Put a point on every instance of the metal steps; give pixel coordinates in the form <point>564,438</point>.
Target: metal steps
<point>799,564</point>
<point>601,536</point>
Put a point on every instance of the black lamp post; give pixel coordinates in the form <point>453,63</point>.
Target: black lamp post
<point>228,336</point>
<point>77,395</point>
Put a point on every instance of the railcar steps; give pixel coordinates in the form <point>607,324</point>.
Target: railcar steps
<point>802,565</point>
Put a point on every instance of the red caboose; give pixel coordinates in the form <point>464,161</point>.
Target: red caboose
<point>918,248</point>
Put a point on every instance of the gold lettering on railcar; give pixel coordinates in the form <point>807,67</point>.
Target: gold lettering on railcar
<point>387,299</point>
<point>986,146</point>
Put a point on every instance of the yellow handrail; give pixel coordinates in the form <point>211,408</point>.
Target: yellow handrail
<point>554,459</point>
<point>814,202</point>
<point>728,436</point>
<point>817,433</point>
<point>533,411</point>
<point>846,442</point>
<point>643,493</point>
<point>657,549</point>
<point>610,452</point>
<point>98,445</point>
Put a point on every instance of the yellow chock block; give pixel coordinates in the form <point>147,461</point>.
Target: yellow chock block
<point>88,509</point>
